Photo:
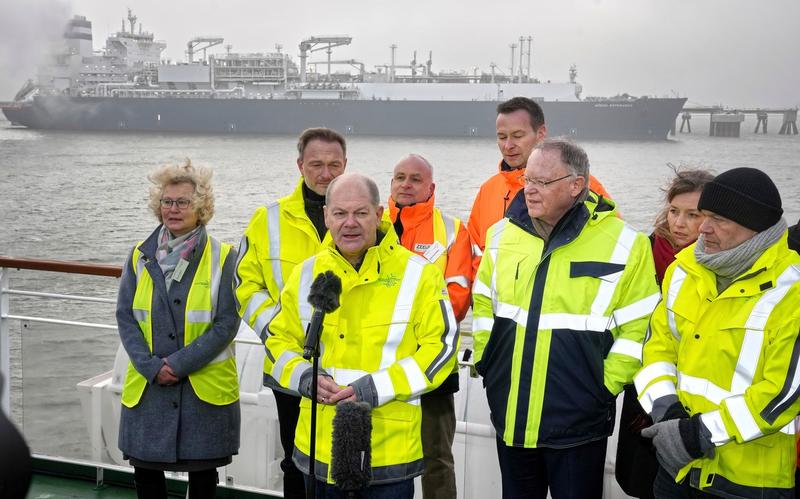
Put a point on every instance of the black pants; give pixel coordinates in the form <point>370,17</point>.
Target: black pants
<point>572,473</point>
<point>151,484</point>
<point>288,413</point>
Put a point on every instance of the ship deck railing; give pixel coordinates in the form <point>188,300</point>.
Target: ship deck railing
<point>71,473</point>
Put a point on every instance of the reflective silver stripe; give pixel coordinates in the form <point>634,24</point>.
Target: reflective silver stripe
<point>274,231</point>
<point>702,388</point>
<point>458,279</point>
<point>576,322</point>
<point>750,351</point>
<point>294,381</point>
<point>493,247</point>
<point>306,279</point>
<point>678,276</point>
<point>744,421</point>
<point>608,284</point>
<point>789,429</point>
<point>449,230</point>
<point>627,347</point>
<point>513,312</point>
<point>479,288</point>
<point>199,316</point>
<point>139,266</point>
<point>216,274</point>
<point>402,310</point>
<point>713,421</point>
<point>140,314</point>
<point>344,377</point>
<point>414,375</point>
<point>280,363</point>
<point>449,340</point>
<point>482,323</point>
<point>225,354</point>
<point>256,300</point>
<point>260,326</point>
<point>637,310</point>
<point>653,371</point>
<point>476,250</point>
<point>655,392</point>
<point>383,386</point>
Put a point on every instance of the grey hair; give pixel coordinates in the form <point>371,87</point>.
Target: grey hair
<point>572,155</point>
<point>171,174</point>
<point>372,187</point>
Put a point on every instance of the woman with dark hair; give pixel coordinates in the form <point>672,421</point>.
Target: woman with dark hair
<point>177,321</point>
<point>677,226</point>
<point>678,223</point>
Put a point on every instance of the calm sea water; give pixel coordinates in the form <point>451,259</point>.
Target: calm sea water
<point>82,196</point>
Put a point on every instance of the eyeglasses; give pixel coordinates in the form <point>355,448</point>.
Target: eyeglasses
<point>524,179</point>
<point>182,203</point>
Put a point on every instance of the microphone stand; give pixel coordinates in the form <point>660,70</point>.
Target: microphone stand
<point>311,489</point>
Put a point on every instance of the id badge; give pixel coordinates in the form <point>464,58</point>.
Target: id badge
<point>180,268</point>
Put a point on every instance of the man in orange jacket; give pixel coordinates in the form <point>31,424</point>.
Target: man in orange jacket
<point>520,127</point>
<point>442,240</point>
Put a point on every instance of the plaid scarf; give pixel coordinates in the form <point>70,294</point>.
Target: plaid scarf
<point>171,250</point>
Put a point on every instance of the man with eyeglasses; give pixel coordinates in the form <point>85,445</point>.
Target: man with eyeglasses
<point>520,127</point>
<point>279,237</point>
<point>561,303</point>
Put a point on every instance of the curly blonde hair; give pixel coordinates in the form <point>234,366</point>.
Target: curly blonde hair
<point>198,176</point>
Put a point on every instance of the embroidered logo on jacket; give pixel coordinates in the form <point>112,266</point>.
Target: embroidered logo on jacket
<point>389,280</point>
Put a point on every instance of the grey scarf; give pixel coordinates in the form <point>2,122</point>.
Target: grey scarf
<point>729,264</point>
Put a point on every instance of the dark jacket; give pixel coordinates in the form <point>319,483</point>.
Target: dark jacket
<point>171,423</point>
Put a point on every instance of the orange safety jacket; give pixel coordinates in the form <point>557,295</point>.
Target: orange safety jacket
<point>494,197</point>
<point>443,241</point>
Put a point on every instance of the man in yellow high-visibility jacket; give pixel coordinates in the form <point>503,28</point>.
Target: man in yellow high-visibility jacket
<point>721,375</point>
<point>278,237</point>
<point>392,339</point>
<point>561,303</point>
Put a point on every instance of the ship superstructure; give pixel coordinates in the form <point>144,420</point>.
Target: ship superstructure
<point>127,86</point>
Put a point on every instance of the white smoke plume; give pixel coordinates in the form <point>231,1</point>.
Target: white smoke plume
<point>28,31</point>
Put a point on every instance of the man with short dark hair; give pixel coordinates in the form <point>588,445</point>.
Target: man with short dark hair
<point>520,127</point>
<point>561,303</point>
<point>722,363</point>
<point>280,236</point>
<point>392,339</point>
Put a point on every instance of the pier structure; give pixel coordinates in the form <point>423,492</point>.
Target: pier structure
<point>725,122</point>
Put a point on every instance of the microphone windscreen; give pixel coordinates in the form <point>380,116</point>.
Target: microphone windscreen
<point>350,452</point>
<point>325,290</point>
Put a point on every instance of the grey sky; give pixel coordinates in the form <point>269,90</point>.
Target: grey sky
<point>733,52</point>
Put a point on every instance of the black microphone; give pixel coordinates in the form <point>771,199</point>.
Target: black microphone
<point>350,450</point>
<point>324,297</point>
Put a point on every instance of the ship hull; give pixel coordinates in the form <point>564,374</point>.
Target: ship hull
<point>649,119</point>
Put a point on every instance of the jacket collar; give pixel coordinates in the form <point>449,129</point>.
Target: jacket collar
<point>755,280</point>
<point>411,215</point>
<point>593,210</point>
<point>386,248</point>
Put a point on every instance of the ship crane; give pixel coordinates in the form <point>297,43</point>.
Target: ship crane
<point>201,43</point>
<point>325,43</point>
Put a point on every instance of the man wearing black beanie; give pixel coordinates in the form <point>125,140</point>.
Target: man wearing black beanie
<point>721,369</point>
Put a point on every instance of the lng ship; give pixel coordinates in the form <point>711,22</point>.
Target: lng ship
<point>126,86</point>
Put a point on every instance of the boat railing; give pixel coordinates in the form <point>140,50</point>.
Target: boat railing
<point>63,328</point>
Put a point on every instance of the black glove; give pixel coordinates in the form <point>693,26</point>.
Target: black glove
<point>675,411</point>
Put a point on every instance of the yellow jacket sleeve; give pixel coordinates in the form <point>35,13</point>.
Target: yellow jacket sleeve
<point>256,291</point>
